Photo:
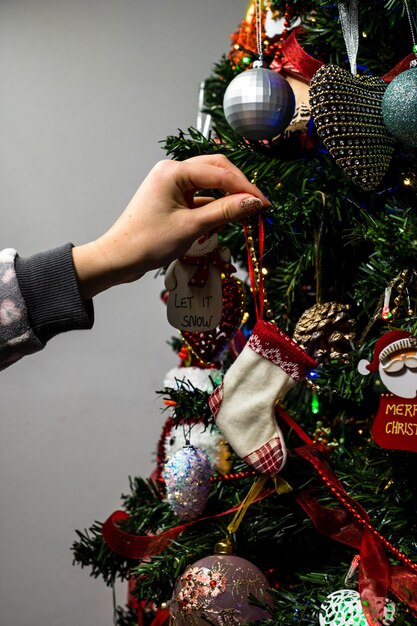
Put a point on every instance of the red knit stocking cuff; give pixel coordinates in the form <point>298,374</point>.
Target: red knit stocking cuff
<point>273,344</point>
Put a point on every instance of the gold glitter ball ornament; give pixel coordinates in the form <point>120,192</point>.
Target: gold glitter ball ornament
<point>347,112</point>
<point>325,330</point>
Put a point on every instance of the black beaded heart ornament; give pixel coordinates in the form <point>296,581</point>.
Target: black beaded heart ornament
<point>348,116</point>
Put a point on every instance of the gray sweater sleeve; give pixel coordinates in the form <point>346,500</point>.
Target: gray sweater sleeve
<point>39,298</point>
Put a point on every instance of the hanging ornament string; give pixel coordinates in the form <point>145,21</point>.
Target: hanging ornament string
<point>259,104</point>
<point>412,24</point>
<point>186,430</point>
<point>256,279</point>
<point>350,28</point>
<point>258,27</point>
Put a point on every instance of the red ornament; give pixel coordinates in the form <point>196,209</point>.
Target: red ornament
<point>208,346</point>
<point>395,360</point>
<point>395,424</point>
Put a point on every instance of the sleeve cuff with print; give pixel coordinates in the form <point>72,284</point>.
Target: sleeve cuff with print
<point>17,338</point>
<point>49,286</point>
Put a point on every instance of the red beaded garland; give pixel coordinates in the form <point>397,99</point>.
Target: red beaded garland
<point>400,555</point>
<point>236,476</point>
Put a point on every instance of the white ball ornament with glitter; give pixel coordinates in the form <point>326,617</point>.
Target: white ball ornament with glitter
<point>259,103</point>
<point>205,379</point>
<point>187,481</point>
<point>344,608</point>
<point>399,107</point>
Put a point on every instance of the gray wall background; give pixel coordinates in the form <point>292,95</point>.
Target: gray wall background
<point>87,89</point>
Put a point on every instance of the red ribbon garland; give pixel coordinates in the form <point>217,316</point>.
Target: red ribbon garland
<point>200,277</point>
<point>144,546</point>
<point>296,60</point>
<point>352,526</point>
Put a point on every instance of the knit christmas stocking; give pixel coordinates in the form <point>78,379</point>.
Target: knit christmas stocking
<point>243,405</point>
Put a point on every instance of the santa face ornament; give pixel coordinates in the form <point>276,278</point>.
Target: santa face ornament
<point>395,360</point>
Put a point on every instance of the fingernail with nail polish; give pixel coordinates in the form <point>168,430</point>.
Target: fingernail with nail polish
<point>251,205</point>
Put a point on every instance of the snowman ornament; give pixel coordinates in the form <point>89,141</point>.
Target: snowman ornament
<point>395,360</point>
<point>194,284</point>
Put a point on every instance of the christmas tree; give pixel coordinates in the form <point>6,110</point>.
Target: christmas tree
<point>332,279</point>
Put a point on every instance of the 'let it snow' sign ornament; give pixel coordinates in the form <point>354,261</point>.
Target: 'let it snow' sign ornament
<point>395,359</point>
<point>194,285</point>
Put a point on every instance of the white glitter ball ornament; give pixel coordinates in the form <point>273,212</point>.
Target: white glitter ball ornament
<point>259,103</point>
<point>187,481</point>
<point>344,608</point>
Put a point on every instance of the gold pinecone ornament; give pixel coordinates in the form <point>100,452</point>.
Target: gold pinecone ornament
<point>326,331</point>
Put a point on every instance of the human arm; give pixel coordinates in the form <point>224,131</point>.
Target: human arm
<point>163,218</point>
<point>52,291</point>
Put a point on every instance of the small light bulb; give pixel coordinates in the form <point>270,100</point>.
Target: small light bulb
<point>315,405</point>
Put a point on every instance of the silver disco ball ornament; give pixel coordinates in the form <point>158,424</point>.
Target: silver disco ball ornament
<point>399,107</point>
<point>259,103</point>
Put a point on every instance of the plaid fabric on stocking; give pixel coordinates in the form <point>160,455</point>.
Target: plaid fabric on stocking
<point>270,364</point>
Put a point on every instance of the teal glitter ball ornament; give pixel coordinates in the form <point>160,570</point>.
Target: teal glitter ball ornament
<point>344,608</point>
<point>399,107</point>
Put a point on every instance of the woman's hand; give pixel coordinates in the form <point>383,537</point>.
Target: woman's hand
<point>164,218</point>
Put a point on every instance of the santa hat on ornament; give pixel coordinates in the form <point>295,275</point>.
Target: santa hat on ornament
<point>393,341</point>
